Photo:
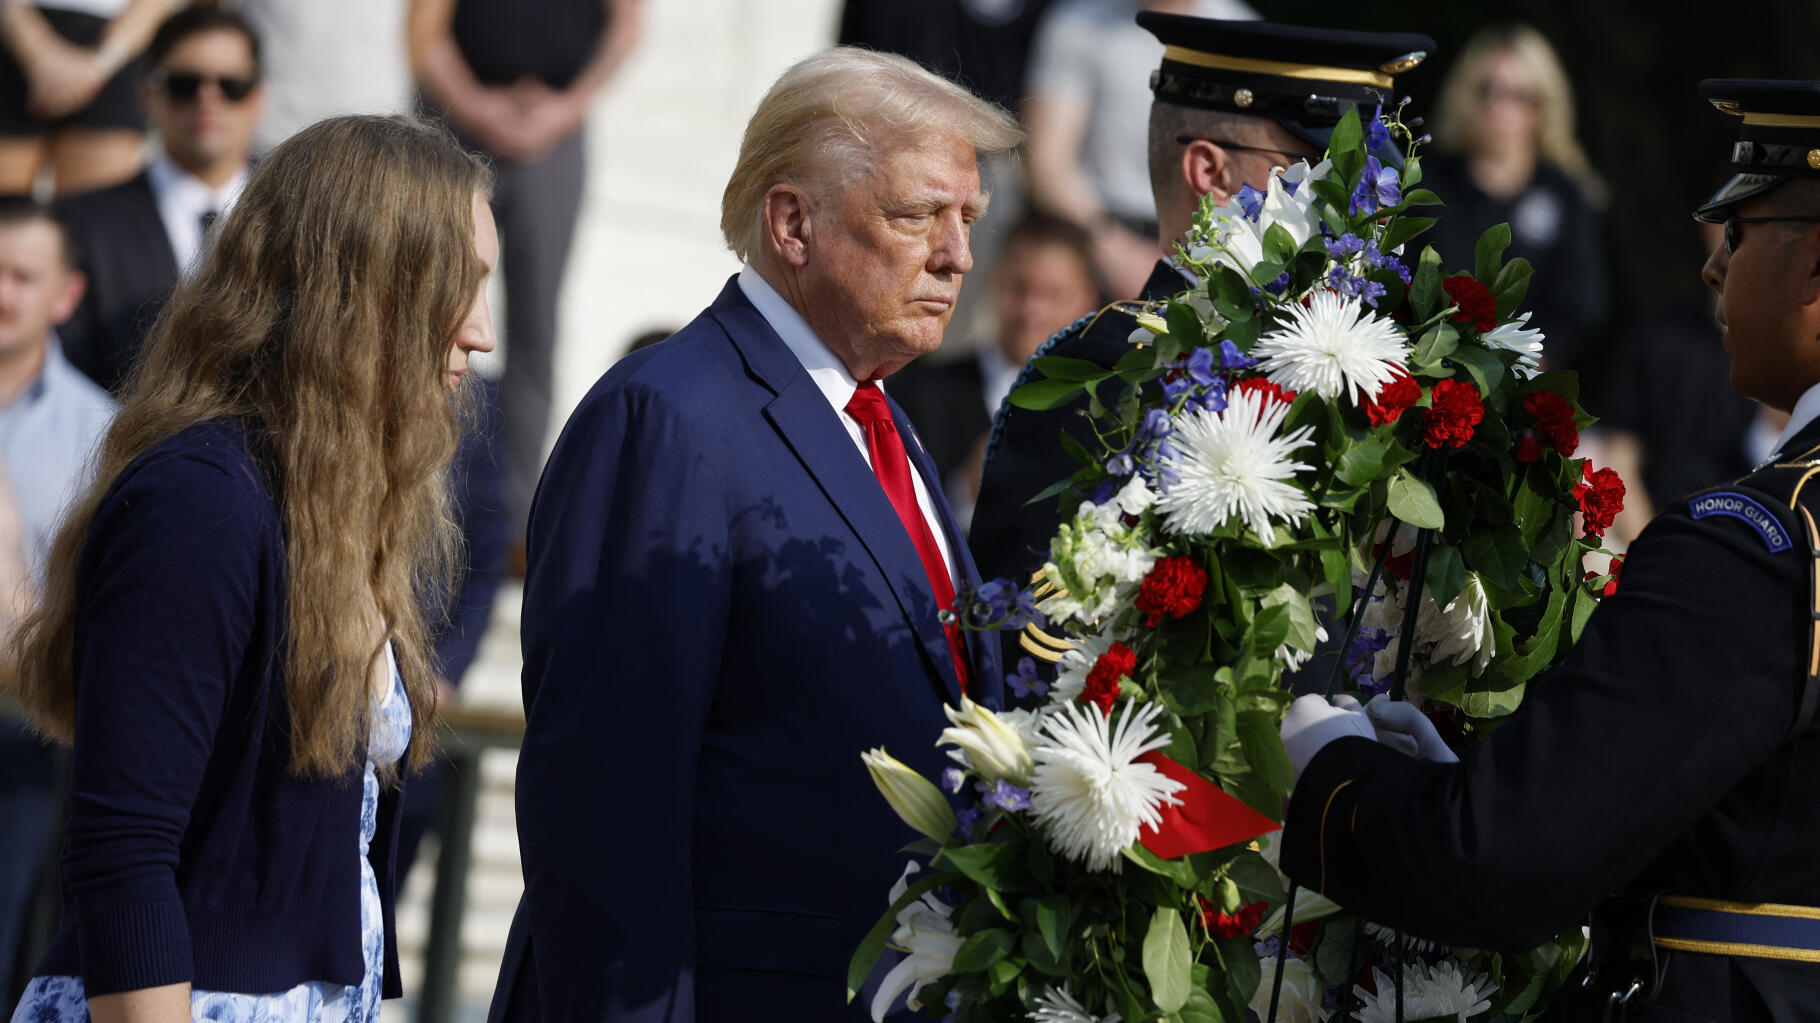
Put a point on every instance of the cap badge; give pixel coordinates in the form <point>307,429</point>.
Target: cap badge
<point>1403,63</point>
<point>1242,98</point>
<point>1813,158</point>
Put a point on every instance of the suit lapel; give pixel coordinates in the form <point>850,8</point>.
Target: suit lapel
<point>808,425</point>
<point>151,226</point>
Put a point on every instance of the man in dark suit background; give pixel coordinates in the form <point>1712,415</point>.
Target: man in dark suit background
<point>1044,280</point>
<point>1233,100</point>
<point>737,556</point>
<point>136,239</point>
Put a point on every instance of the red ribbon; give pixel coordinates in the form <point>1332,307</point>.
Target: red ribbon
<point>1208,817</point>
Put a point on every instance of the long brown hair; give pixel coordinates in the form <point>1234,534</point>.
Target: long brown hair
<point>322,319</point>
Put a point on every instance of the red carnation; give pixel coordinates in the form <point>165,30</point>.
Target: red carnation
<point>1554,421</point>
<point>1601,498</point>
<point>1267,388</point>
<point>1455,413</point>
<point>1232,925</point>
<point>1172,588</point>
<point>1529,449</point>
<point>1477,307</point>
<point>1103,681</point>
<point>1616,572</point>
<point>1393,399</point>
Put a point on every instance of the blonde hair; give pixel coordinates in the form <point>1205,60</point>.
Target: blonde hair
<point>1557,138</point>
<point>829,114</point>
<point>322,320</point>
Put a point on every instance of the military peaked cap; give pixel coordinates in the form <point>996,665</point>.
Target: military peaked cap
<point>1778,137</point>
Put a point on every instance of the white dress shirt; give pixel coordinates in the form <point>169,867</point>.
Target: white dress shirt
<point>1806,410</point>
<point>837,385</point>
<point>182,200</point>
<point>997,375</point>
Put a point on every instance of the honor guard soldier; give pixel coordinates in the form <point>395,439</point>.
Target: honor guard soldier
<point>1671,763</point>
<point>1233,101</point>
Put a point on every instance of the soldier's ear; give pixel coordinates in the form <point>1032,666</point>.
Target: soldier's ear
<point>788,215</point>
<point>1807,250</point>
<point>1208,170</point>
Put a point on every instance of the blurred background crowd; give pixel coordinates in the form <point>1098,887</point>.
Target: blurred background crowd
<point>612,125</point>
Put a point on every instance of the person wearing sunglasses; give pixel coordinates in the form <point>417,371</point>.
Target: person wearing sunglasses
<point>1668,763</point>
<point>203,98</point>
<point>1506,151</point>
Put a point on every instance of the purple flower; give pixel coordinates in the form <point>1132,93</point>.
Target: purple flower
<point>953,778</point>
<point>1280,285</point>
<point>1378,187</point>
<point>1377,132</point>
<point>1023,681</point>
<point>1232,359</point>
<point>1118,465</point>
<point>1251,201</point>
<point>1002,795</point>
<point>968,818</point>
<point>998,604</point>
<point>1371,291</point>
<point>1345,245</point>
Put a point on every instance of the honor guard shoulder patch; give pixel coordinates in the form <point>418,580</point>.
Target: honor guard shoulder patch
<point>1746,510</point>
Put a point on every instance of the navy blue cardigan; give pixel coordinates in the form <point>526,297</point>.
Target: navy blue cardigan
<point>193,854</point>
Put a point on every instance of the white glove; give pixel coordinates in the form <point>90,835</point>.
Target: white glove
<point>1312,723</point>
<point>1407,730</point>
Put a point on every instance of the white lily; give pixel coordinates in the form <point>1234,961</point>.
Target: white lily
<point>925,933</point>
<point>914,797</point>
<point>989,745</point>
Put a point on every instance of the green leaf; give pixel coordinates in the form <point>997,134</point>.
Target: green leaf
<point>1231,295</point>
<point>1257,879</point>
<point>1185,324</point>
<point>1243,970</point>
<point>1512,284</point>
<point>1485,368</point>
<point>1425,288</point>
<point>1269,629</point>
<point>983,949</point>
<point>1446,574</point>
<point>1492,703</point>
<point>1054,918</point>
<point>1061,367</point>
<point>1301,633</point>
<point>1497,554</point>
<point>1488,255</point>
<point>1412,174</point>
<point>1258,735</point>
<point>1584,605</point>
<point>1406,228</point>
<point>997,865</point>
<point>1441,341</point>
<point>1043,395</point>
<point>1362,462</point>
<point>1333,950</point>
<point>1413,501</point>
<point>1135,361</point>
<point>1166,959</point>
<point>1347,136</point>
<point>1279,247</point>
<point>1181,872</point>
<point>1051,490</point>
<point>873,944</point>
<point>1421,197</point>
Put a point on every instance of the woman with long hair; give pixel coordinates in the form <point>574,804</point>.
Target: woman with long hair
<point>233,637</point>
<point>1508,151</point>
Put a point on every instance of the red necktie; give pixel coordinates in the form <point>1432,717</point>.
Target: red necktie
<point>892,467</point>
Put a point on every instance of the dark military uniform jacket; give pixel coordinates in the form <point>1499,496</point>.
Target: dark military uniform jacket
<point>1024,455</point>
<point>1657,758</point>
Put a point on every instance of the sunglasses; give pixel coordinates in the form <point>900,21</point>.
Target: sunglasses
<point>184,86</point>
<point>1732,233</point>
<point>1488,92</point>
<point>1184,140</point>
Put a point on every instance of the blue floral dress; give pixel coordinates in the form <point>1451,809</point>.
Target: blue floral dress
<point>62,999</point>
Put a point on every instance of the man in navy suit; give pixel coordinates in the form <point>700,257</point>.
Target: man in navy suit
<point>737,556</point>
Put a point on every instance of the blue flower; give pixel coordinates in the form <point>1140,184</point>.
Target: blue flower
<point>1379,186</point>
<point>1371,291</point>
<point>967,817</point>
<point>998,604</point>
<point>1002,795</point>
<point>1377,131</point>
<point>1251,201</point>
<point>1232,359</point>
<point>1345,245</point>
<point>1023,681</point>
<point>1280,285</point>
<point>1118,465</point>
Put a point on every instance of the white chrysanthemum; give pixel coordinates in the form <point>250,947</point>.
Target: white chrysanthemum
<point>1058,1005</point>
<point>1438,991</point>
<point>1388,937</point>
<point>1090,792</point>
<point>1461,631</point>
<point>1335,347</point>
<point>1517,336</point>
<point>1302,991</point>
<point>1234,463</point>
<point>925,933</point>
<point>1292,658</point>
